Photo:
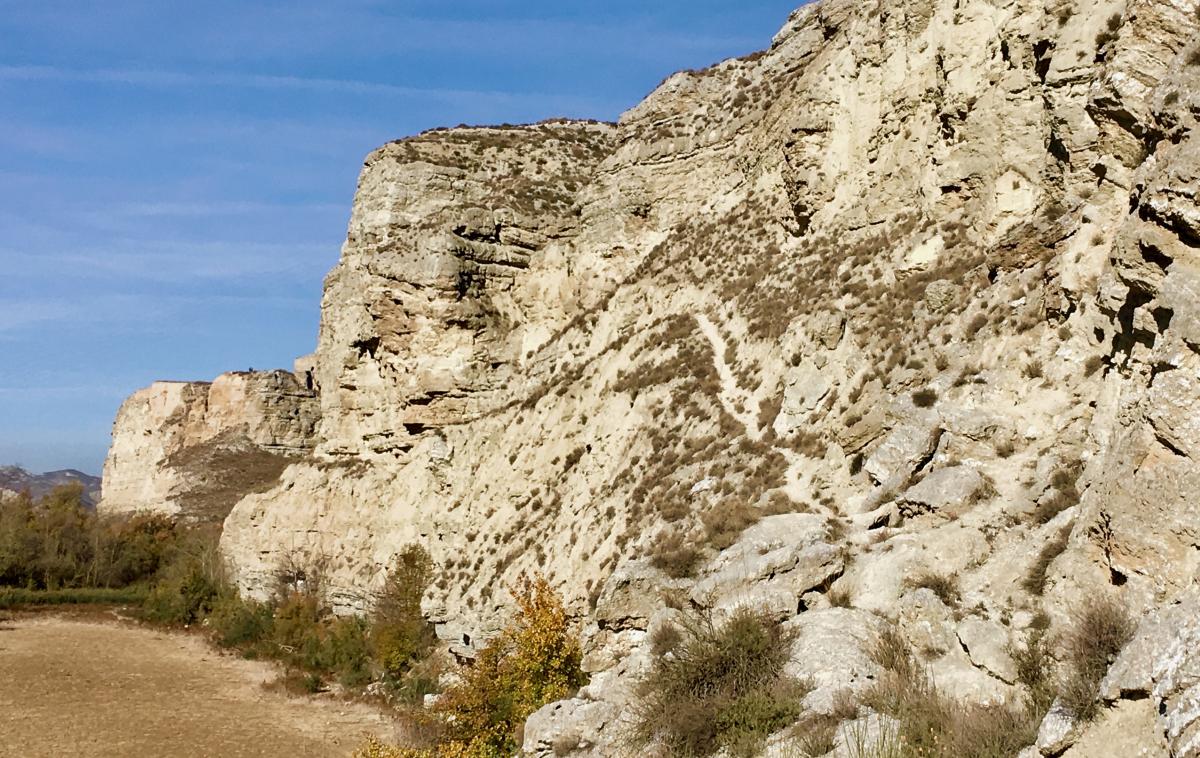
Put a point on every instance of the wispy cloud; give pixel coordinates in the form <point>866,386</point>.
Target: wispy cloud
<point>172,260</point>
<point>177,78</point>
<point>19,314</point>
<point>215,208</point>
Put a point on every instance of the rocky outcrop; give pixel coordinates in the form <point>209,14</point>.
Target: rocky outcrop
<point>195,448</point>
<point>910,292</point>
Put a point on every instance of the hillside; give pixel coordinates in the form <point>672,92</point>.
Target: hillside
<point>16,480</point>
<point>912,291</point>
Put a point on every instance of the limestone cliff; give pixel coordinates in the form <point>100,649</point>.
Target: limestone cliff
<point>195,448</point>
<point>914,288</point>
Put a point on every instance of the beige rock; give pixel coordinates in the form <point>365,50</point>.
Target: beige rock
<point>832,650</point>
<point>539,340</point>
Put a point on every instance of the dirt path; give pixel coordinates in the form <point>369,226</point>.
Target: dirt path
<point>75,687</point>
<point>731,393</point>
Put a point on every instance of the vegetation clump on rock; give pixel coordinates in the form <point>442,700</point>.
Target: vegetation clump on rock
<point>719,686</point>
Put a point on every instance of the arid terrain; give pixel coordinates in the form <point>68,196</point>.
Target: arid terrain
<point>76,684</point>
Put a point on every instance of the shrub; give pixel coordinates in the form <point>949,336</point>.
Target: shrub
<point>238,623</point>
<point>1035,671</point>
<point>944,586</point>
<point>725,522</point>
<point>674,555</point>
<point>932,725</point>
<point>348,653</point>
<point>297,636</point>
<point>189,584</point>
<point>1101,628</point>
<point>722,688</point>
<point>532,662</point>
<point>924,398</point>
<point>1092,365</point>
<point>975,325</point>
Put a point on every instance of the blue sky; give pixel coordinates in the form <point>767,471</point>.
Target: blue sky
<point>175,178</point>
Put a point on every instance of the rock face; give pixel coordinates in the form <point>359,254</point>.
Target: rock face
<point>914,289</point>
<point>195,448</point>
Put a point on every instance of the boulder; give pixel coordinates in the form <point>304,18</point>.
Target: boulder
<point>832,650</point>
<point>574,727</point>
<point>772,564</point>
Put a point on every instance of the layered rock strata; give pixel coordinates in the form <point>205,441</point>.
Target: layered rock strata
<point>913,290</point>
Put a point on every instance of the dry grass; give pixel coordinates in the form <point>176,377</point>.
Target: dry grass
<point>931,725</point>
<point>721,689</point>
<point>675,555</point>
<point>944,586</point>
<point>725,522</point>
<point>1101,628</point>
<point>1035,580</point>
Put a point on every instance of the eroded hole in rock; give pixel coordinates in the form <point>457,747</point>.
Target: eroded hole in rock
<point>1151,254</point>
<point>366,347</point>
<point>1162,317</point>
<point>1042,54</point>
<point>1128,336</point>
<point>1118,579</point>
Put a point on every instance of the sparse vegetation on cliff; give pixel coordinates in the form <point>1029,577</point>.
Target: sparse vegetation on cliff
<point>1101,628</point>
<point>932,725</point>
<point>719,686</point>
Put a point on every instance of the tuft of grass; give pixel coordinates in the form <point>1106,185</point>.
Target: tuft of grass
<point>932,725</point>
<point>675,555</point>
<point>839,598</point>
<point>1035,580</point>
<point>722,689</point>
<point>1101,628</point>
<point>942,585</point>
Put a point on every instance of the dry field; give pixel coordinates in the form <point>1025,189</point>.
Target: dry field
<point>91,685</point>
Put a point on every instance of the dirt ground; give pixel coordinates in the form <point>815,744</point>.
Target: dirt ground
<point>93,685</point>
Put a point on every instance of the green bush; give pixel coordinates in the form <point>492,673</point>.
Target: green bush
<point>58,543</point>
<point>238,623</point>
<point>400,636</point>
<point>721,688</point>
<point>14,597</point>
<point>189,584</point>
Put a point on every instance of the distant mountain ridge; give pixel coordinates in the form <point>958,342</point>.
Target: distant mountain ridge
<point>17,479</point>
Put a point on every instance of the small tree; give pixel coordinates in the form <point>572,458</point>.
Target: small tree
<point>534,661</point>
<point>400,635</point>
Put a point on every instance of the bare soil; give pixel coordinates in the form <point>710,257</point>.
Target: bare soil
<point>90,684</point>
